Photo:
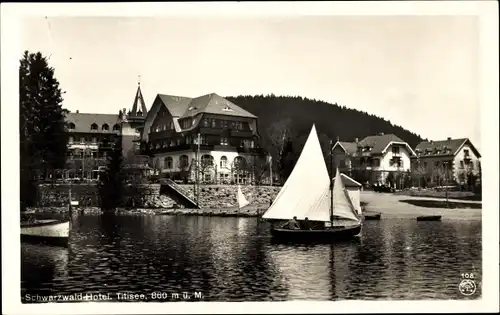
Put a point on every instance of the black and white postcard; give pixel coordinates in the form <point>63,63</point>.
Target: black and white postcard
<point>289,156</point>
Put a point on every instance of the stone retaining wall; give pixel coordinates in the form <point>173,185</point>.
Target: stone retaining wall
<point>148,196</point>
<point>224,196</point>
<point>87,195</point>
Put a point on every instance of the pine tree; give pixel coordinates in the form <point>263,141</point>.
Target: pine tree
<point>43,137</point>
<point>112,180</point>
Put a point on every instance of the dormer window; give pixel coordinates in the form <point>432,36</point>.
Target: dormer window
<point>93,126</point>
<point>116,127</point>
<point>71,126</point>
<point>105,127</point>
<point>227,109</point>
<point>192,108</point>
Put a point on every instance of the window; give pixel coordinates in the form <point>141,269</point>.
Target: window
<point>207,159</point>
<point>170,125</point>
<point>425,164</point>
<point>466,153</point>
<point>395,149</point>
<point>183,161</point>
<point>247,144</point>
<point>82,140</point>
<point>238,125</point>
<point>239,162</point>
<point>116,127</point>
<point>164,144</point>
<point>223,161</point>
<point>223,141</point>
<point>461,164</point>
<point>71,126</point>
<point>168,162</point>
<point>94,140</point>
<point>188,139</point>
<point>93,126</point>
<point>105,127</point>
<point>213,123</point>
<point>227,109</point>
<point>70,140</point>
<point>205,122</point>
<point>223,124</point>
<point>186,123</point>
<point>376,162</point>
<point>178,142</point>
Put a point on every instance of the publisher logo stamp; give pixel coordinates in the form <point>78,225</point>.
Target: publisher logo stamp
<point>467,287</point>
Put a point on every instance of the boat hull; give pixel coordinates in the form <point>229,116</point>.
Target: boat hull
<point>372,216</point>
<point>429,218</point>
<point>327,235</point>
<point>50,232</point>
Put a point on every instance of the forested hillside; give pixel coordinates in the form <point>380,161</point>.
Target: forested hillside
<point>290,119</point>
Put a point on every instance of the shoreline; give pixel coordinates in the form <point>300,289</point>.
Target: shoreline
<point>249,211</point>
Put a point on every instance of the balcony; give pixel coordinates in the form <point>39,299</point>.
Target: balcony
<point>241,133</point>
<point>259,151</point>
<point>210,131</point>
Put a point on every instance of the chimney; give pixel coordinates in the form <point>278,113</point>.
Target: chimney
<point>77,111</point>
<point>449,138</point>
<point>356,140</point>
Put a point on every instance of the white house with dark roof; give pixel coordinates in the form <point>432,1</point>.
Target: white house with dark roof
<point>458,157</point>
<point>228,138</point>
<point>373,158</point>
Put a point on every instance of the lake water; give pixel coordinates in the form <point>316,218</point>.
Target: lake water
<point>234,259</point>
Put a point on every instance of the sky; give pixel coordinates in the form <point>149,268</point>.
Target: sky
<point>420,72</point>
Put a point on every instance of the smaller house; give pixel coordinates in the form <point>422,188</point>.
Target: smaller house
<point>353,190</point>
<point>450,160</point>
<point>374,159</point>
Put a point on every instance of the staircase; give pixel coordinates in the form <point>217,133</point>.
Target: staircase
<point>178,192</point>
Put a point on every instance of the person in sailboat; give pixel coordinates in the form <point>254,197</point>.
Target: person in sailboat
<point>306,225</point>
<point>292,224</point>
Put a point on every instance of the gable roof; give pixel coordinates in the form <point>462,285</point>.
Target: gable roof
<point>83,121</point>
<point>347,181</point>
<point>215,104</point>
<point>176,105</point>
<point>379,143</point>
<point>348,147</point>
<point>433,147</point>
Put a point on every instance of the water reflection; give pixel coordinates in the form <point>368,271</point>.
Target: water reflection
<point>234,259</point>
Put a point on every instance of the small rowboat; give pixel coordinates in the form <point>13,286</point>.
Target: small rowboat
<point>53,232</point>
<point>373,216</point>
<point>429,218</point>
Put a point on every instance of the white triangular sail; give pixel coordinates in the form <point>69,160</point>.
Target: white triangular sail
<point>306,191</point>
<point>242,201</point>
<point>342,204</point>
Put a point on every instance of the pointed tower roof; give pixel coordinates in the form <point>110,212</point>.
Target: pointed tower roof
<point>139,100</point>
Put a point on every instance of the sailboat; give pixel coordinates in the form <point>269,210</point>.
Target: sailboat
<point>309,192</point>
<point>242,201</point>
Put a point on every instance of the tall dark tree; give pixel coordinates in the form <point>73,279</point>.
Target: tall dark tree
<point>287,161</point>
<point>112,180</point>
<point>43,137</point>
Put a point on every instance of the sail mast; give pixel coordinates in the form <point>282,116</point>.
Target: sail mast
<point>331,183</point>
